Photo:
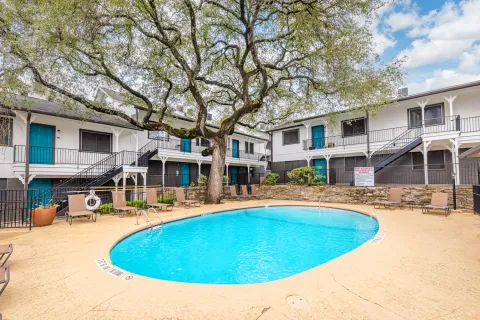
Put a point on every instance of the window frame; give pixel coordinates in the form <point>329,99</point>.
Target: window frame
<point>95,132</point>
<point>199,142</point>
<point>289,144</point>
<point>252,148</point>
<point>10,132</point>
<point>442,111</point>
<point>429,164</point>
<point>167,138</point>
<point>353,133</point>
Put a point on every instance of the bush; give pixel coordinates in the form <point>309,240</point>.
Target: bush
<point>271,178</point>
<point>202,180</point>
<point>105,208</point>
<point>140,204</point>
<point>168,199</point>
<point>207,152</point>
<point>306,175</point>
<point>225,179</point>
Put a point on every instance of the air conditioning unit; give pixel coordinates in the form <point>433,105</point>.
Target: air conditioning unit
<point>402,92</point>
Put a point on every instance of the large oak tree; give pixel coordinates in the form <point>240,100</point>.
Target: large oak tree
<point>248,62</point>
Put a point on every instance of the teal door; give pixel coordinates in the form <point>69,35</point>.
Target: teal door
<point>234,175</point>
<point>320,166</point>
<point>186,145</point>
<point>43,189</point>
<point>235,149</point>
<point>41,143</point>
<point>318,137</point>
<point>184,174</point>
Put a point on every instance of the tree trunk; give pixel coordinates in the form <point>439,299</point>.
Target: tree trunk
<point>215,180</point>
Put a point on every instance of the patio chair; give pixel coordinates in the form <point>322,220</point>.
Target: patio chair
<point>245,192</point>
<point>4,278</point>
<point>394,199</point>
<point>253,189</point>
<point>152,200</point>
<point>181,199</point>
<point>234,195</point>
<point>78,208</point>
<point>6,249</point>
<point>439,202</point>
<point>120,204</point>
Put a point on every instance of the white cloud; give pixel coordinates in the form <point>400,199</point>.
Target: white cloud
<point>441,79</point>
<point>442,35</point>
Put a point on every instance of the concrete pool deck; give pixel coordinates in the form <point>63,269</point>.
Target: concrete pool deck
<point>426,267</point>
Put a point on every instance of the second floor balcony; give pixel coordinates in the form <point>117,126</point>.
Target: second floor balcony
<point>427,127</point>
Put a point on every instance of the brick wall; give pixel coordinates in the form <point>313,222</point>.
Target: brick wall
<point>421,195</point>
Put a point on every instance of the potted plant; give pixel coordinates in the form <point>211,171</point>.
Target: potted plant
<point>43,215</point>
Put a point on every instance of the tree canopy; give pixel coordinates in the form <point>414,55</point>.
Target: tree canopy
<point>248,62</point>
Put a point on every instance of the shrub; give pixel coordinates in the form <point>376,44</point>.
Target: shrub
<point>167,199</point>
<point>105,208</point>
<point>306,175</point>
<point>202,180</point>
<point>207,152</point>
<point>140,204</point>
<point>225,179</point>
<point>271,178</point>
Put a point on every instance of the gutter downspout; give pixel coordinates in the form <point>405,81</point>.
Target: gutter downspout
<point>27,167</point>
<point>367,124</point>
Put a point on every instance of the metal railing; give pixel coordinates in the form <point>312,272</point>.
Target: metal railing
<point>182,180</point>
<point>49,155</point>
<point>439,125</point>
<point>16,207</point>
<point>471,124</point>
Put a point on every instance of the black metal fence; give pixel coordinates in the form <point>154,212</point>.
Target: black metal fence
<point>468,173</point>
<point>16,206</point>
<point>184,180</point>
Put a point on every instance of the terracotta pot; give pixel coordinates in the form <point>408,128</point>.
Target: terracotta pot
<point>43,217</point>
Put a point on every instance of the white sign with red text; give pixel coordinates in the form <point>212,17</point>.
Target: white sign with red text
<point>364,176</point>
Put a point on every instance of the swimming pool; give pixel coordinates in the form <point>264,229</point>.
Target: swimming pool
<point>244,246</point>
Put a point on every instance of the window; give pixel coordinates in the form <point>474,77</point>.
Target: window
<point>6,130</point>
<point>353,127</point>
<point>352,162</point>
<point>158,135</point>
<point>433,116</point>
<point>436,160</point>
<point>93,141</point>
<point>290,137</point>
<point>202,142</point>
<point>249,147</point>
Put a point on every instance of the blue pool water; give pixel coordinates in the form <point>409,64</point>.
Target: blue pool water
<point>244,246</point>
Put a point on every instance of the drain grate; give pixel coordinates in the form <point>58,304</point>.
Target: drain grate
<point>297,302</point>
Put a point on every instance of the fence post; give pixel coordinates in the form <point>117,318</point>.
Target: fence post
<point>454,195</point>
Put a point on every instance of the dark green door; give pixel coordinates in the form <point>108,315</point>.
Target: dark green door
<point>186,145</point>
<point>41,143</point>
<point>318,137</point>
<point>184,174</point>
<point>320,166</point>
<point>235,149</point>
<point>234,175</point>
<point>44,190</point>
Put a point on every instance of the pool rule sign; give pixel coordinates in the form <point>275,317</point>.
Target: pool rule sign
<point>364,176</point>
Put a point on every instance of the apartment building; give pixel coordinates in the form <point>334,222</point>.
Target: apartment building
<point>76,146</point>
<point>426,138</point>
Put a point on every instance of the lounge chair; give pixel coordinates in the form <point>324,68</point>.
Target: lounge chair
<point>120,204</point>
<point>245,192</point>
<point>78,208</point>
<point>234,195</point>
<point>439,202</point>
<point>5,249</point>
<point>181,199</point>
<point>4,278</point>
<point>394,199</point>
<point>152,200</point>
<point>253,189</point>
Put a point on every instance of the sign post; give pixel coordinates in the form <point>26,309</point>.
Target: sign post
<point>364,176</point>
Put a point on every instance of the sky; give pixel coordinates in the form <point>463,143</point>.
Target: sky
<point>439,39</point>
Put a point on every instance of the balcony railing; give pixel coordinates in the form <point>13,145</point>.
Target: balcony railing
<point>52,156</point>
<point>438,125</point>
<point>190,146</point>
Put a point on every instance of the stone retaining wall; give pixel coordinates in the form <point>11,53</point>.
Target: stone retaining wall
<point>421,195</point>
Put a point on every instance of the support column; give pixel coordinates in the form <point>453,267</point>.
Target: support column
<point>164,160</point>
<point>125,176</point>
<point>199,162</point>
<point>426,147</point>
<point>308,158</point>
<point>116,180</point>
<point>307,125</point>
<point>22,179</point>
<point>327,158</point>
<point>117,135</point>
<point>265,151</point>
<point>248,173</point>
<point>144,177</point>
<point>134,177</point>
<point>227,163</point>
<point>455,159</point>
<point>422,105</point>
<point>450,100</point>
<point>135,134</point>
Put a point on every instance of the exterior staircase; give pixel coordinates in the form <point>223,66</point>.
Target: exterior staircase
<point>393,150</point>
